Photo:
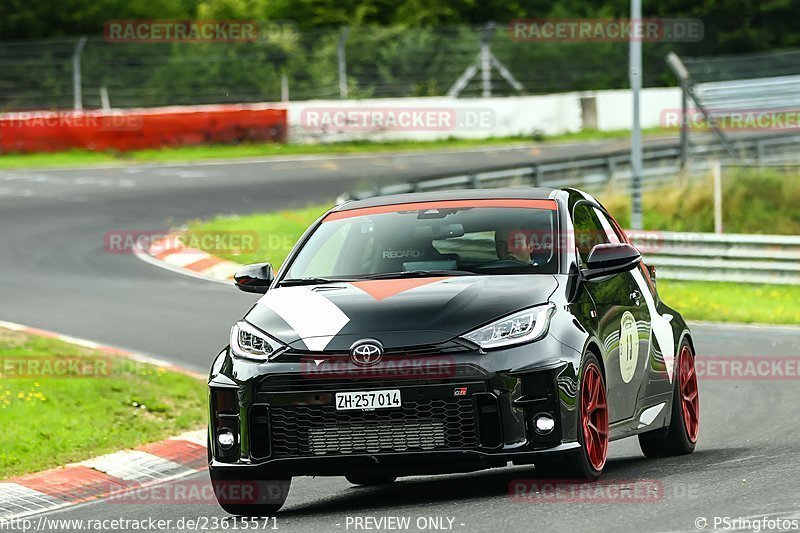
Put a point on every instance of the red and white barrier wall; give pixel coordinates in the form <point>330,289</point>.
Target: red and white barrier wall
<point>135,129</point>
<point>549,114</point>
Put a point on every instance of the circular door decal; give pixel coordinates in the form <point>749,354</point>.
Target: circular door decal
<point>628,346</point>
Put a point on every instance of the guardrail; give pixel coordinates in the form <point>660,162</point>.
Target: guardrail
<point>661,163</point>
<point>680,256</point>
<point>721,257</point>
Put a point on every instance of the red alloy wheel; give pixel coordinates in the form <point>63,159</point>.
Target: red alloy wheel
<point>594,418</point>
<point>690,399</point>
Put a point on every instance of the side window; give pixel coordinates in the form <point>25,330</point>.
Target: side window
<point>611,228</point>
<point>589,231</point>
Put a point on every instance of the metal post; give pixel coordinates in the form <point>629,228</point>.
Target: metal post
<point>343,63</point>
<point>682,74</point>
<point>105,103</point>
<point>635,70</point>
<point>712,121</point>
<point>684,125</point>
<point>486,62</point>
<point>76,75</point>
<point>611,166</point>
<point>284,87</point>
<point>760,154</point>
<point>716,169</point>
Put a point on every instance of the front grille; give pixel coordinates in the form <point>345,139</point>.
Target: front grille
<point>418,426</point>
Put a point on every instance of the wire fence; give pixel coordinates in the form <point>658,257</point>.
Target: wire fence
<point>757,92</point>
<point>743,66</point>
<point>357,62</point>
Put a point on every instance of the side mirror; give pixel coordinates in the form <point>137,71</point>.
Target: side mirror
<point>608,259</point>
<point>254,278</point>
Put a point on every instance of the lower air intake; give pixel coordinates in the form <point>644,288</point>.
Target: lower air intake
<point>443,424</point>
<point>361,438</point>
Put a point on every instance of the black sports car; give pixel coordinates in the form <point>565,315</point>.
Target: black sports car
<point>448,332</point>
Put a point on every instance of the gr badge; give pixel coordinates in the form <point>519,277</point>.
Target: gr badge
<point>628,346</point>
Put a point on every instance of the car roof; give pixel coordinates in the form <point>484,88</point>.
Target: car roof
<point>526,193</point>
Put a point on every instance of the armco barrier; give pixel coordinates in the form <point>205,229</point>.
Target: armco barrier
<point>140,128</point>
<point>721,257</point>
<point>595,172</point>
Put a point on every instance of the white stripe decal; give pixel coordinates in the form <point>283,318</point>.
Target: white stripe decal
<point>313,317</point>
<point>650,414</point>
<point>660,324</point>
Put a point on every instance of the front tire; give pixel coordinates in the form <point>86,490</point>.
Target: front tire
<point>250,495</point>
<point>587,463</point>
<point>680,438</point>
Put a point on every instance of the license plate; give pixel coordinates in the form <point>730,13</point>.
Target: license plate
<point>368,400</point>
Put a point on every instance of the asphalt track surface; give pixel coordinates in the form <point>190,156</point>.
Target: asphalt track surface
<point>55,274</point>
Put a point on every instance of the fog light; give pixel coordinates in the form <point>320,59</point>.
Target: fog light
<point>544,424</point>
<point>226,439</point>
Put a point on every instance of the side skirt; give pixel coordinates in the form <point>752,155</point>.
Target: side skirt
<point>655,413</point>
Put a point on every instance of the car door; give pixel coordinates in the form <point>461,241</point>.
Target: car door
<point>623,317</point>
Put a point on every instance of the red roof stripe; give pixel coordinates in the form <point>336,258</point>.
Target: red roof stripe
<point>442,204</point>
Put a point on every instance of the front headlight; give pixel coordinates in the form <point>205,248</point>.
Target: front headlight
<point>524,326</point>
<point>249,343</point>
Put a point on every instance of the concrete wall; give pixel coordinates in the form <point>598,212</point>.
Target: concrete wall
<point>615,108</point>
<point>479,118</point>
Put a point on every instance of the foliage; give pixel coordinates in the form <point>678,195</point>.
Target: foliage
<point>753,201</point>
<point>400,48</point>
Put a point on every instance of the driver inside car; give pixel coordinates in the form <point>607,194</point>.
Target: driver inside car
<point>515,244</point>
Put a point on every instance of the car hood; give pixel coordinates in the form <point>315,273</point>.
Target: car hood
<point>399,313</point>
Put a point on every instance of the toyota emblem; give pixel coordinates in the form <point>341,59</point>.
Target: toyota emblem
<point>366,352</point>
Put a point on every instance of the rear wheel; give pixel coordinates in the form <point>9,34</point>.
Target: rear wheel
<point>680,437</point>
<point>369,479</point>
<point>588,462</point>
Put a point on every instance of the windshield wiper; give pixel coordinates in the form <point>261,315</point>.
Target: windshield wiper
<point>418,274</point>
<point>311,281</point>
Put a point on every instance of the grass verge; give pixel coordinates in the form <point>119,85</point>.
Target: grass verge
<point>61,403</point>
<point>757,201</point>
<point>712,301</point>
<point>733,302</point>
<point>224,151</point>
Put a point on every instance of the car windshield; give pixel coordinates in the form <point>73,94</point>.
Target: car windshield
<point>436,238</point>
